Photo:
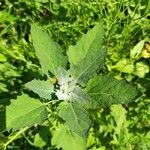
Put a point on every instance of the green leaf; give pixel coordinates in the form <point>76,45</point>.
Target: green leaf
<point>42,137</point>
<point>106,91</point>
<point>88,55</point>
<point>137,49</point>
<point>2,58</point>
<point>6,29</point>
<point>76,117</point>
<point>124,65</point>
<point>141,69</point>
<point>119,114</point>
<point>43,88</point>
<point>48,52</point>
<point>24,111</point>
<point>64,138</point>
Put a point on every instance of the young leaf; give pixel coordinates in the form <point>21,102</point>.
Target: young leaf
<point>63,76</point>
<point>106,91</point>
<point>43,88</point>
<point>119,114</point>
<point>88,55</point>
<point>48,52</point>
<point>137,49</point>
<point>76,117</point>
<point>124,65</point>
<point>24,111</point>
<point>64,138</point>
<point>69,89</point>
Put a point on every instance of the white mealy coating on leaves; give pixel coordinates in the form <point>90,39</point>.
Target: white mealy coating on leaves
<point>69,90</point>
<point>67,85</point>
<point>65,91</point>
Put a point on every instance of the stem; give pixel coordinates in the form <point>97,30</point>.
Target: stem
<point>53,101</point>
<point>28,140</point>
<point>15,136</point>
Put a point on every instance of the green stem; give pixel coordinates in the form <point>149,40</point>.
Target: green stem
<point>53,101</point>
<point>28,140</point>
<point>15,136</point>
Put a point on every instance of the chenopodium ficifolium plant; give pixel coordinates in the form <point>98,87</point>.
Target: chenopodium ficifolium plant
<point>78,88</point>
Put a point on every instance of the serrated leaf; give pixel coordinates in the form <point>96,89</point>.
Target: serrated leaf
<point>79,95</point>
<point>43,88</point>
<point>64,138</point>
<point>76,117</point>
<point>48,52</point>
<point>106,91</point>
<point>88,55</point>
<point>24,111</point>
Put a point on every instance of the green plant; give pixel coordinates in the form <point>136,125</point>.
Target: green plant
<point>16,54</point>
<point>73,88</point>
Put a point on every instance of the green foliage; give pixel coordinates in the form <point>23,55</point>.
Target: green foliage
<point>100,89</point>
<point>42,137</point>
<point>64,138</point>
<point>126,39</point>
<point>43,88</point>
<point>76,117</point>
<point>88,55</point>
<point>21,64</point>
<point>107,91</point>
<point>136,51</point>
<point>48,52</point>
<point>2,58</point>
<point>24,111</point>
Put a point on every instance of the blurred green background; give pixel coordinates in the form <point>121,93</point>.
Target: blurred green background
<point>127,37</point>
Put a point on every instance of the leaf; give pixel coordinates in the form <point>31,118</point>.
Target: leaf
<point>88,55</point>
<point>48,52</point>
<point>2,58</point>
<point>63,76</point>
<point>43,88</point>
<point>64,138</point>
<point>141,69</point>
<point>79,95</point>
<point>107,91</point>
<point>41,138</point>
<point>119,114</point>
<point>76,117</point>
<point>24,111</point>
<point>137,49</point>
<point>124,65</point>
<point>6,29</point>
